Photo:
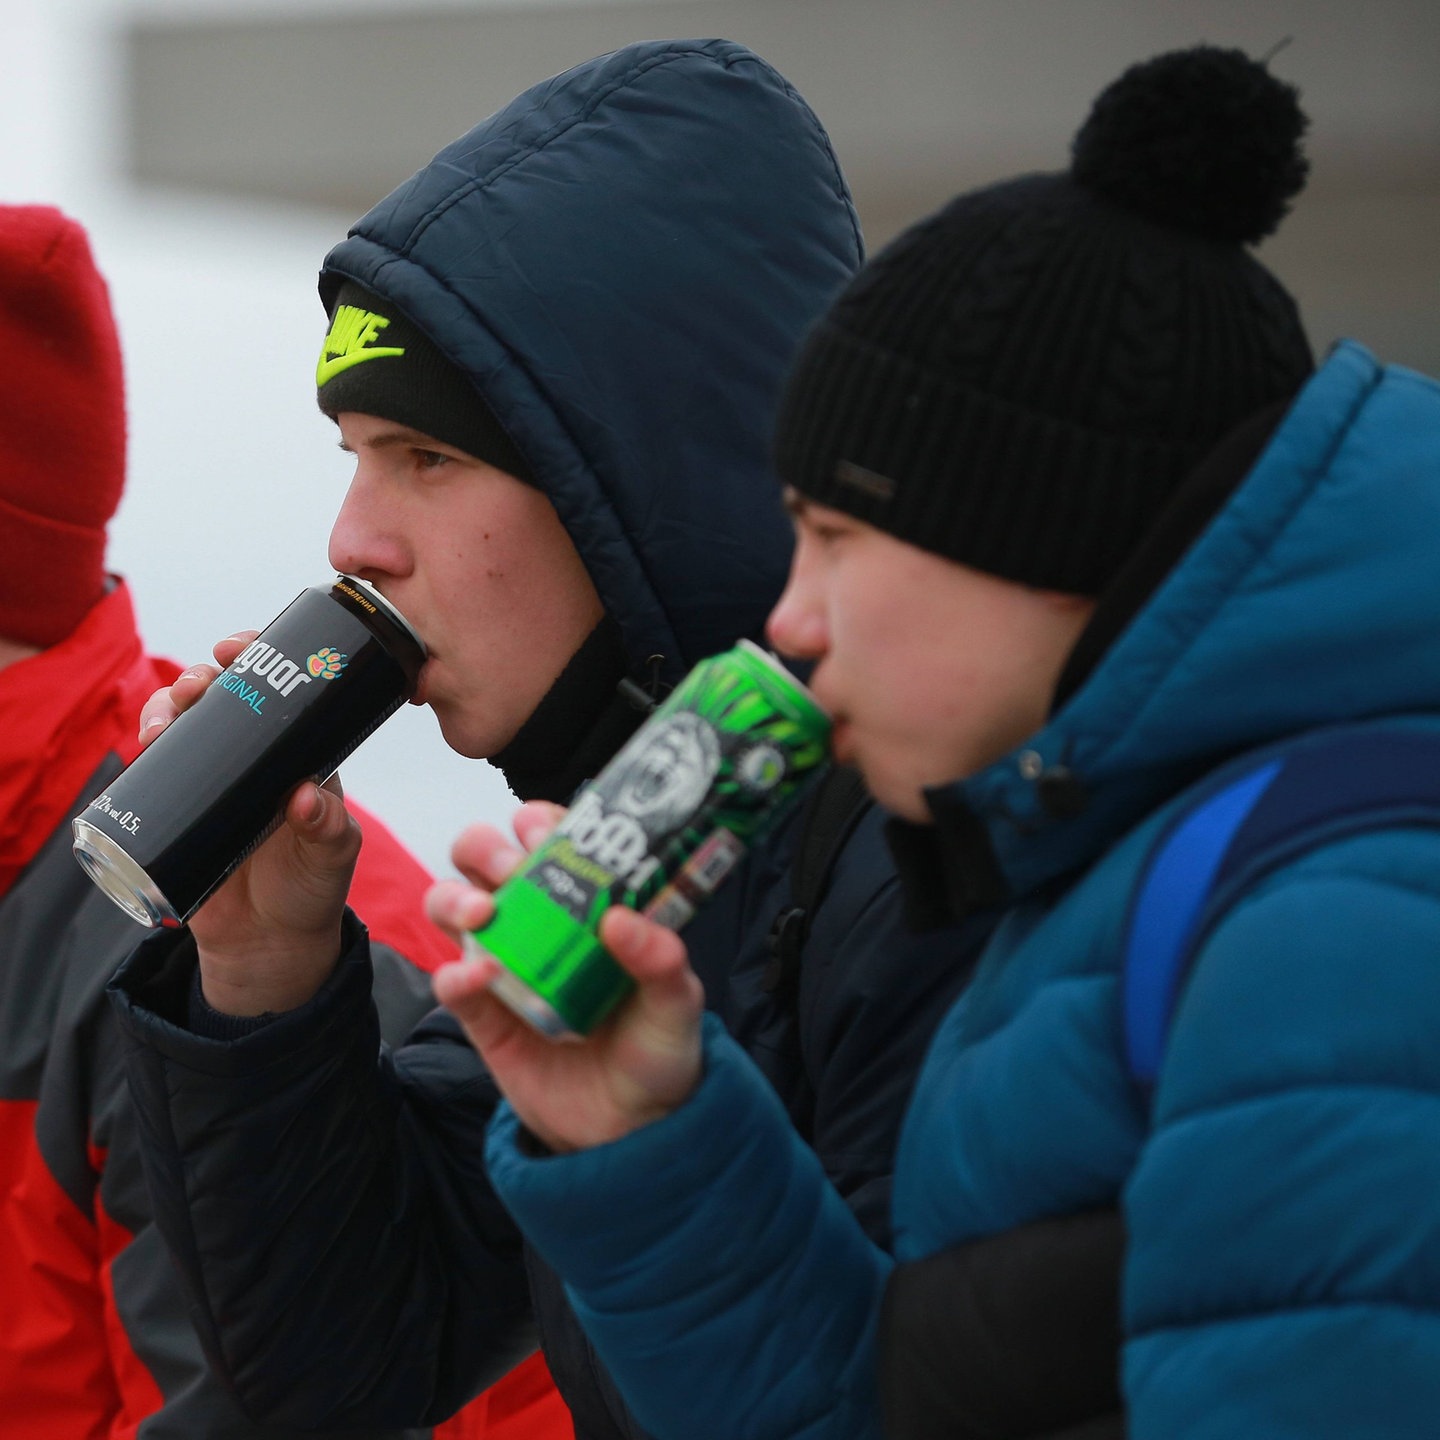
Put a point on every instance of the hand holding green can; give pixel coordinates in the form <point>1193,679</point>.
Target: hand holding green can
<point>728,752</point>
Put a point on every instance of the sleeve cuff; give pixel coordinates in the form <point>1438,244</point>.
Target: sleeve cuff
<point>586,1210</point>
<point>203,1019</point>
<point>155,994</point>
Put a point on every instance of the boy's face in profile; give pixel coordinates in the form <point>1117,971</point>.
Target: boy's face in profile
<point>478,562</point>
<point>931,670</point>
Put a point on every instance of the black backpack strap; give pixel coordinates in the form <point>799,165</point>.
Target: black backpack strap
<point>832,812</point>
<point>1249,819</point>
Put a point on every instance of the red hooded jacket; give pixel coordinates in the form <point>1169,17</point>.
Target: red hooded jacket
<point>95,1343</point>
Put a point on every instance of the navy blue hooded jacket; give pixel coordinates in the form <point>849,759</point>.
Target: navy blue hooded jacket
<point>623,260</point>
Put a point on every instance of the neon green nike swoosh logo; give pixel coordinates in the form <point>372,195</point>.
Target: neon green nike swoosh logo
<point>328,369</point>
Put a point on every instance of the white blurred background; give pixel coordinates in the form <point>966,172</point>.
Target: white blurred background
<point>215,149</point>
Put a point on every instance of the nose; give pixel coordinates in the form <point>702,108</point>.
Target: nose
<point>365,541</point>
<point>796,626</point>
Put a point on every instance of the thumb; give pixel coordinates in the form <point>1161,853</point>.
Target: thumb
<point>325,831</point>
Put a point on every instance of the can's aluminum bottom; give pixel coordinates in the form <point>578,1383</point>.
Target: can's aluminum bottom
<point>120,877</point>
<point>508,988</point>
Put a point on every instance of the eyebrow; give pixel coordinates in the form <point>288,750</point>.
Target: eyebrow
<point>392,439</point>
<point>399,437</point>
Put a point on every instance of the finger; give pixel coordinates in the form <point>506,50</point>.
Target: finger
<point>657,1033</point>
<point>165,704</point>
<point>319,818</point>
<point>157,712</point>
<point>485,855</point>
<point>227,649</point>
<point>191,684</point>
<point>457,982</point>
<point>496,1031</point>
<point>458,908</point>
<point>655,958</point>
<point>535,819</point>
<point>645,950</point>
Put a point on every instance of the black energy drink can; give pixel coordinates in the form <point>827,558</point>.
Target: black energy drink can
<point>320,678</point>
<point>728,752</point>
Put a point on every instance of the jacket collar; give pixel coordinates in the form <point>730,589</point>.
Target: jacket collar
<point>1302,561</point>
<point>583,719</point>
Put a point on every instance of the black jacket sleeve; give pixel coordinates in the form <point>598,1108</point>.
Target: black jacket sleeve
<point>307,1193</point>
<point>1014,1337</point>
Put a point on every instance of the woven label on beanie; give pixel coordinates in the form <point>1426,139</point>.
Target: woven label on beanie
<point>351,340</point>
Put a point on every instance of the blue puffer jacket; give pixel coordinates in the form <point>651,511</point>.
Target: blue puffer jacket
<point>1283,1268</point>
<point>624,259</point>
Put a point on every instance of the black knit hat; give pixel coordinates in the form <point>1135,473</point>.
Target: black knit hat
<point>376,362</point>
<point>1020,381</point>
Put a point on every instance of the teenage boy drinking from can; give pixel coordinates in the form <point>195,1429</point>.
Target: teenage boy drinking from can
<point>554,353</point>
<point>1089,564</point>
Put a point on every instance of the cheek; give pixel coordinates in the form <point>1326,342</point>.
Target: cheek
<point>892,663</point>
<point>533,600</point>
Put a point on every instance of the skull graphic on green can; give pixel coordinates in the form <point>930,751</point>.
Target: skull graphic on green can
<point>726,754</point>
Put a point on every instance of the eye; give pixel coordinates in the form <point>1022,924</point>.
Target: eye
<point>825,534</point>
<point>430,459</point>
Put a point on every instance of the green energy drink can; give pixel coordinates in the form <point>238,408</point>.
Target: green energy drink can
<point>730,750</point>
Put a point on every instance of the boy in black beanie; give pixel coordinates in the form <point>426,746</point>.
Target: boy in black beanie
<point>1089,564</point>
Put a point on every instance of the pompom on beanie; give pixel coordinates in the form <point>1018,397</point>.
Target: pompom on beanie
<point>1021,381</point>
<point>62,425</point>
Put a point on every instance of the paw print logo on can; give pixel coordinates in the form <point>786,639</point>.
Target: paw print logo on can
<point>326,663</point>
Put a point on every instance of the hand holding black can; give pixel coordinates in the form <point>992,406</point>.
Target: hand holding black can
<point>290,706</point>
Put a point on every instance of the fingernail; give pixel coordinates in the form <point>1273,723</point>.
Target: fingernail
<point>193,673</point>
<point>155,722</point>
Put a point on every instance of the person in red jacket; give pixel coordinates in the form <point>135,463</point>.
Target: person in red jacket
<point>95,1341</point>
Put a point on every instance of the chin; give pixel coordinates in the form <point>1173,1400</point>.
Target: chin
<point>901,798</point>
<point>475,739</point>
<point>459,736</point>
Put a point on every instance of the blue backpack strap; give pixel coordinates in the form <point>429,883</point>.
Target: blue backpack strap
<point>1251,818</point>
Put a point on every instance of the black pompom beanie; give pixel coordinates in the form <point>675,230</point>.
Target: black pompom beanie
<point>1020,381</point>
<point>375,362</point>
